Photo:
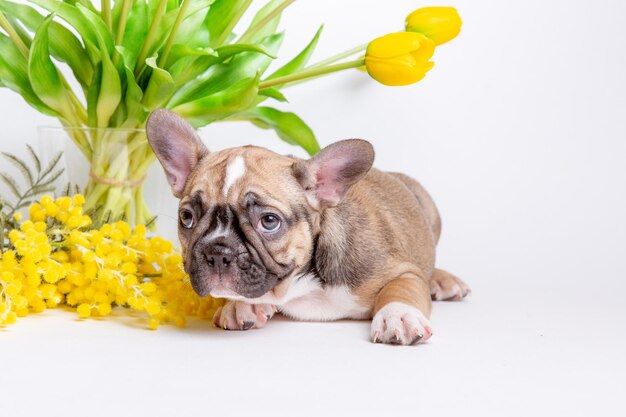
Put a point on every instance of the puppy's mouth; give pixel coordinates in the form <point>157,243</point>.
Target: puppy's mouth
<point>223,291</point>
<point>227,275</point>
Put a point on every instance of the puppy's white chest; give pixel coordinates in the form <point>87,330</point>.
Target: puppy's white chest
<point>307,300</point>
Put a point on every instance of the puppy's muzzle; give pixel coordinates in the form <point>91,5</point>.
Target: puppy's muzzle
<point>214,263</point>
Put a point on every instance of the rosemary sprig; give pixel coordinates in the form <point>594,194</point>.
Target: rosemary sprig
<point>38,179</point>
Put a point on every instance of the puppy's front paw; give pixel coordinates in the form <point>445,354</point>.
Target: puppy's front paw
<point>400,324</point>
<point>448,287</point>
<point>237,315</point>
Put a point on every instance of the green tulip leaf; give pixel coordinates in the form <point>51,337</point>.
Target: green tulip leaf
<point>93,92</point>
<point>185,54</point>
<point>110,91</point>
<point>273,93</point>
<point>219,76</point>
<point>64,46</point>
<point>14,75</point>
<point>269,27</point>
<point>160,87</point>
<point>163,31</point>
<point>236,98</point>
<point>102,34</point>
<point>133,96</point>
<point>194,30</point>
<point>136,31</point>
<point>288,126</point>
<point>221,18</point>
<point>268,48</point>
<point>190,68</point>
<point>300,60</point>
<point>85,3</point>
<point>44,75</point>
<point>88,31</point>
<point>15,23</point>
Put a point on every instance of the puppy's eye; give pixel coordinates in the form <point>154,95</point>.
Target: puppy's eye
<point>269,223</point>
<point>186,218</point>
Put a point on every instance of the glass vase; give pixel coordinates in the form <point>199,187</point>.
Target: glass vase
<point>110,166</point>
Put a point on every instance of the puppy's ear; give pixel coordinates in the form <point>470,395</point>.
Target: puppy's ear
<point>177,146</point>
<point>327,176</point>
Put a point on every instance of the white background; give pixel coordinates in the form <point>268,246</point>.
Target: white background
<point>519,132</point>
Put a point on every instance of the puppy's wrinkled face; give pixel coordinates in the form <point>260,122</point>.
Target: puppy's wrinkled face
<point>244,223</point>
<point>248,216</point>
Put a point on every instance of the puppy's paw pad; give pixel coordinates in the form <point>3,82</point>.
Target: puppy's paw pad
<point>400,324</point>
<point>238,315</point>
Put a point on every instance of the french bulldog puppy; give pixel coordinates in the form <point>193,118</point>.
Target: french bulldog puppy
<point>321,239</point>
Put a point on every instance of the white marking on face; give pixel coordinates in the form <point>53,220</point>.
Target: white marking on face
<point>218,232</point>
<point>307,300</point>
<point>234,171</point>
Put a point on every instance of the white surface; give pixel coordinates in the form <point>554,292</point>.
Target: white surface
<point>519,134</point>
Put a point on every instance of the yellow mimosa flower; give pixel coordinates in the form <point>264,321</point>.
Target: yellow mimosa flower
<point>400,58</point>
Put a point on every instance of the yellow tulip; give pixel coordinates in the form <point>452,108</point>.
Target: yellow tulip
<point>400,58</point>
<point>440,24</point>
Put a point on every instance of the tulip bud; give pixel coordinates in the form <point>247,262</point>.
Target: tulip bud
<point>399,58</point>
<point>440,24</point>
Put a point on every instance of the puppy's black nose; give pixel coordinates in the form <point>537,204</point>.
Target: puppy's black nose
<point>221,261</point>
<point>219,257</point>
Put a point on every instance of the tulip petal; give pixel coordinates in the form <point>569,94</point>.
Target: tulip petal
<point>441,24</point>
<point>397,71</point>
<point>425,51</point>
<point>399,58</point>
<point>394,44</point>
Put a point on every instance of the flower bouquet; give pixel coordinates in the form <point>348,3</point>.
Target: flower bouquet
<point>130,57</point>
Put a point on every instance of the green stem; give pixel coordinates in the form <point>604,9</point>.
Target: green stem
<point>112,162</point>
<point>6,25</point>
<point>310,73</point>
<point>340,56</point>
<point>138,201</point>
<point>143,54</point>
<point>252,30</point>
<point>170,39</point>
<point>81,112</point>
<point>231,25</point>
<point>105,11</point>
<point>121,28</point>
